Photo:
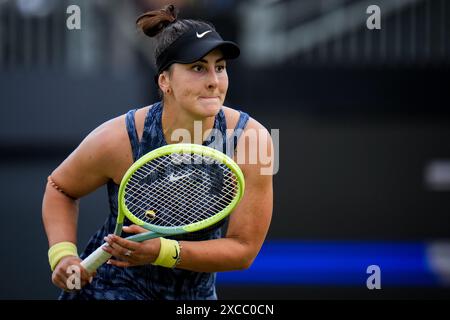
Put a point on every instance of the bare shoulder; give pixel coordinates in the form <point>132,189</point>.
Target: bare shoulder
<point>233,115</point>
<point>104,154</point>
<point>254,124</point>
<point>113,143</point>
<point>108,139</point>
<point>255,150</point>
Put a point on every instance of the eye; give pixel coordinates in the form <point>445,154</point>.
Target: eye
<point>220,68</point>
<point>197,68</point>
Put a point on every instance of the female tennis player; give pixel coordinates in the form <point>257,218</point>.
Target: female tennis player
<point>191,62</point>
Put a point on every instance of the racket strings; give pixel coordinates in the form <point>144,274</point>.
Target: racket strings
<point>174,193</point>
<point>178,203</point>
<point>205,210</point>
<point>179,198</point>
<point>201,190</point>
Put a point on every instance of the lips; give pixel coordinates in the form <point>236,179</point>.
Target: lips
<point>209,97</point>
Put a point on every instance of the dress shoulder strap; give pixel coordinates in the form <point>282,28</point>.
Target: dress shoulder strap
<point>237,132</point>
<point>132,132</point>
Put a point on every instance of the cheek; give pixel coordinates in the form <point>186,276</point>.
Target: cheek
<point>183,90</point>
<point>223,84</point>
<point>186,93</point>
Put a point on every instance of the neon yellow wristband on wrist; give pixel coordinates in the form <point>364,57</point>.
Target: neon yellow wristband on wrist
<point>169,254</point>
<point>59,251</point>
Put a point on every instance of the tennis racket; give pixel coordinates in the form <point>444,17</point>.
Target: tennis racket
<point>175,189</point>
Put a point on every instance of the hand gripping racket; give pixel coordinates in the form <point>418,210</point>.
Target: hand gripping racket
<point>175,189</point>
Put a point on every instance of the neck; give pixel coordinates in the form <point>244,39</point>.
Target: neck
<point>181,126</point>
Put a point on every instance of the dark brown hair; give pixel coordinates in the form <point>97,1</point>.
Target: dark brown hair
<point>164,26</point>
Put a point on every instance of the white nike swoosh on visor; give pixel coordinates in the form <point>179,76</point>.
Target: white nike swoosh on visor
<point>202,34</point>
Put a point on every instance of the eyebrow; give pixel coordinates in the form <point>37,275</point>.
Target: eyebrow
<point>218,60</point>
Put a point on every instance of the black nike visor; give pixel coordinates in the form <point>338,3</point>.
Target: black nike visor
<point>193,45</point>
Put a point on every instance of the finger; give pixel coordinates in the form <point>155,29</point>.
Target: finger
<point>109,249</point>
<point>60,284</point>
<point>85,282</point>
<point>117,251</point>
<point>73,283</point>
<point>111,244</point>
<point>86,277</point>
<point>59,274</point>
<point>126,244</point>
<point>119,263</point>
<point>61,281</point>
<point>75,279</point>
<point>134,229</point>
<point>85,274</point>
<point>73,267</point>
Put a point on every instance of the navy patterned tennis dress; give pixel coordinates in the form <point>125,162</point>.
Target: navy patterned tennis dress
<point>151,282</point>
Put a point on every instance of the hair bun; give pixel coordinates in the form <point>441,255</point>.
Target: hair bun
<point>153,22</point>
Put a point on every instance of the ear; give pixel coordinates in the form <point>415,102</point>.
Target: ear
<point>164,81</point>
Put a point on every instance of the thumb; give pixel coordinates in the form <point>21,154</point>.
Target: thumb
<point>134,229</point>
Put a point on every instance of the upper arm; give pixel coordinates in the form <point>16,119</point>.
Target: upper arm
<point>249,223</point>
<point>96,160</point>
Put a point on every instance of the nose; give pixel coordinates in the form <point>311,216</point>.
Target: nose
<point>213,79</point>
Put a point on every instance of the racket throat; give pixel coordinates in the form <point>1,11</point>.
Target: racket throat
<point>118,229</point>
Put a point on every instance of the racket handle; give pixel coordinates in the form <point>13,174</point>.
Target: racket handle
<point>95,259</point>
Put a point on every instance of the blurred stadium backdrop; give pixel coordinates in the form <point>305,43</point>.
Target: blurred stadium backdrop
<point>364,163</point>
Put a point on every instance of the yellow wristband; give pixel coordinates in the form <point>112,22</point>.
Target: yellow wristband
<point>169,254</point>
<point>59,251</point>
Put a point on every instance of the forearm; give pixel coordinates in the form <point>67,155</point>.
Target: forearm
<point>217,255</point>
<point>60,215</point>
